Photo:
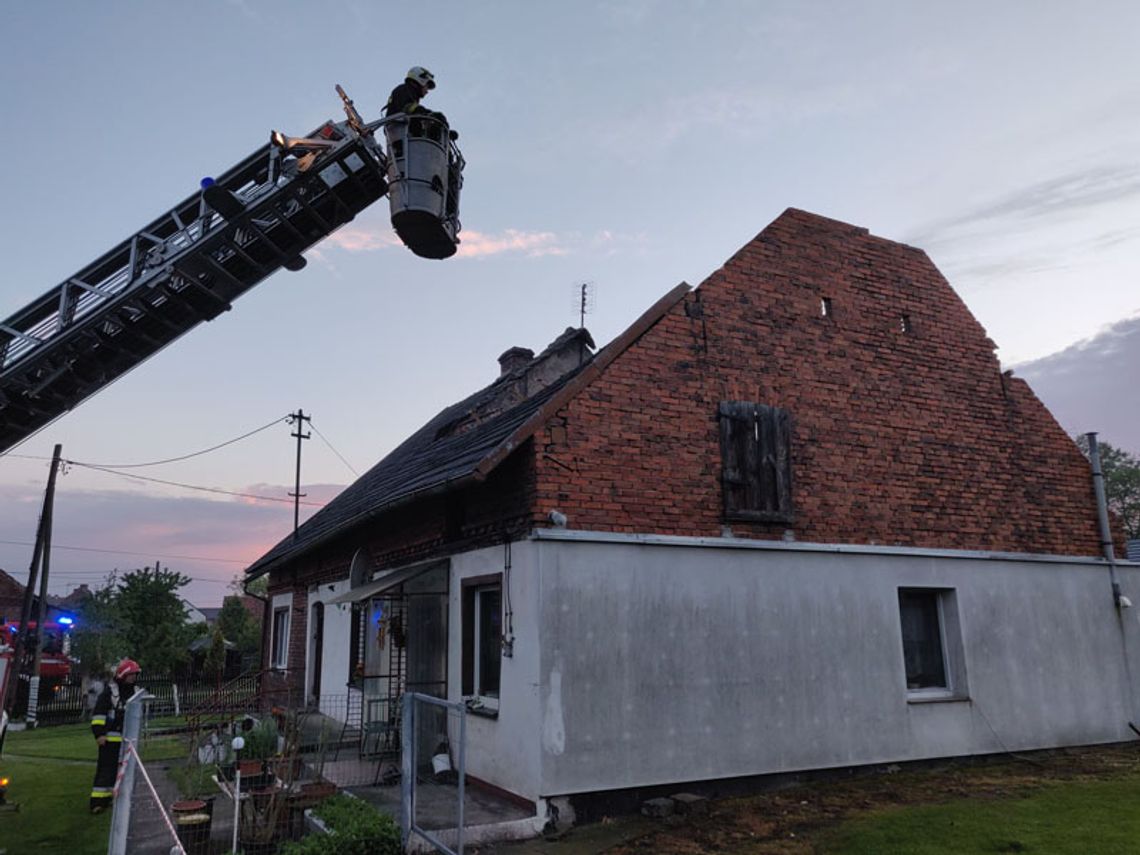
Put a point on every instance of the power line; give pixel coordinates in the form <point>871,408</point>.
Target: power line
<point>217,490</point>
<point>333,450</point>
<point>276,421</point>
<point>125,552</point>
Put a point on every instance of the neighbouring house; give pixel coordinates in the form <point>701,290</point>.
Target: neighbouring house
<point>796,518</point>
<point>193,613</point>
<point>12,600</point>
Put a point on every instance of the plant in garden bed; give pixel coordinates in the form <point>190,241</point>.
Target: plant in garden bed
<point>355,828</point>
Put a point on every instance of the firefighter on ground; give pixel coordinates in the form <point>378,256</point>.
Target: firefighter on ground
<point>107,726</point>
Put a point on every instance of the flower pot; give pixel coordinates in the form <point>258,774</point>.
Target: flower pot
<point>286,768</point>
<point>193,819</point>
<point>313,794</point>
<point>262,796</point>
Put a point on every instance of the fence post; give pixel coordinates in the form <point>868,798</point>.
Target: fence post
<point>408,766</point>
<point>33,701</point>
<point>177,705</point>
<point>121,809</point>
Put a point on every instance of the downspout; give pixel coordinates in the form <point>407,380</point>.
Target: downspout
<point>1118,599</point>
<point>1102,519</point>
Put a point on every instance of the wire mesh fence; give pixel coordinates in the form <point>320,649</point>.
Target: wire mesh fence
<point>434,753</point>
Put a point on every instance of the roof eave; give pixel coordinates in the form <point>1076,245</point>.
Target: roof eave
<point>504,449</point>
<point>258,569</point>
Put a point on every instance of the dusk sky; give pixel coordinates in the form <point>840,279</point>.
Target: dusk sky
<point>631,145</point>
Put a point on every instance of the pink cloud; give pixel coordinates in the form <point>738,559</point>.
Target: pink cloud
<point>358,239</point>
<point>478,244</point>
<point>473,244</point>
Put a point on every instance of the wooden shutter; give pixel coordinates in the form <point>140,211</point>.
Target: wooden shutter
<point>755,442</point>
<point>735,450</point>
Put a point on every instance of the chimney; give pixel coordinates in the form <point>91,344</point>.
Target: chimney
<point>514,359</point>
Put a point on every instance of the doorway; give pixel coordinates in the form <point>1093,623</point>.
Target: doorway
<point>317,650</point>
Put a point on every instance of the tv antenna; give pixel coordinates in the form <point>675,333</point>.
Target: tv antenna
<point>585,301</point>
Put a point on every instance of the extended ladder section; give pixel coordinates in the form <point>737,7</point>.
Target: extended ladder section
<point>184,268</point>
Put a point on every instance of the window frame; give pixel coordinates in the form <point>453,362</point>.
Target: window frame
<point>949,634</point>
<point>279,649</point>
<point>472,688</point>
<point>756,462</point>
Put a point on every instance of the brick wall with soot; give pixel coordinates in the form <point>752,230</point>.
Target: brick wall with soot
<point>904,430</point>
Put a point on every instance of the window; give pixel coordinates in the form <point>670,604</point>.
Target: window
<point>755,447</point>
<point>932,643</point>
<point>483,639</point>
<point>280,638</point>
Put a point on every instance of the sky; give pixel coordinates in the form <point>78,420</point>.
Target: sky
<point>629,145</point>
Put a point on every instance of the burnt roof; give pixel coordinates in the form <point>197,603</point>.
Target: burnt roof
<point>434,456</point>
<point>457,446</point>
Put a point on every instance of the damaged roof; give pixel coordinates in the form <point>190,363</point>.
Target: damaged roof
<point>464,442</point>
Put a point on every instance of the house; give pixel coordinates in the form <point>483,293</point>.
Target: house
<point>796,518</point>
<point>12,600</point>
<point>193,613</point>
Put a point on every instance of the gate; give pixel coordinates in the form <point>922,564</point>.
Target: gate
<point>434,735</point>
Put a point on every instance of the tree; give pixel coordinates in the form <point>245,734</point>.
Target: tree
<point>1121,484</point>
<point>138,614</point>
<point>215,660</point>
<point>95,640</point>
<point>238,625</point>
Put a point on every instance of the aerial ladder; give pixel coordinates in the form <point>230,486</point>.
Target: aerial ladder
<point>190,264</point>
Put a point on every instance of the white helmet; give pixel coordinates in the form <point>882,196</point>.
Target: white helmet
<point>422,76</point>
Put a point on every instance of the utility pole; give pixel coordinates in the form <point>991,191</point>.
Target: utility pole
<point>42,550</point>
<point>298,418</point>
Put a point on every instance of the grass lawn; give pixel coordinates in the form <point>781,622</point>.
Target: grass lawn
<point>75,742</point>
<point>51,770</point>
<point>1076,801</point>
<point>1062,819</point>
<point>53,814</point>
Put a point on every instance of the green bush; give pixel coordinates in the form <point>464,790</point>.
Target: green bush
<point>357,829</point>
<point>261,740</point>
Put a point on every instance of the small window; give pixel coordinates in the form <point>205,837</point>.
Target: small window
<point>280,645</point>
<point>932,643</point>
<point>825,307</point>
<point>483,641</point>
<point>904,323</point>
<point>755,444</point>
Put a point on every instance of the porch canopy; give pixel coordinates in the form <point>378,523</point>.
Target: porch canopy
<point>389,580</point>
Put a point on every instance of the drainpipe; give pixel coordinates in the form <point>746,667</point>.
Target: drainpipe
<point>1102,520</point>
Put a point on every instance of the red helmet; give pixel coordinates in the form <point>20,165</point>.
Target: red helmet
<point>125,668</point>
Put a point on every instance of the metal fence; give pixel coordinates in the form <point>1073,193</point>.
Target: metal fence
<point>434,767</point>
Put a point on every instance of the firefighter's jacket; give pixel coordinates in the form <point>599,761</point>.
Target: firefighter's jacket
<point>107,717</point>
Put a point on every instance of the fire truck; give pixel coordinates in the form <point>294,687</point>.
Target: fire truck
<point>55,644</point>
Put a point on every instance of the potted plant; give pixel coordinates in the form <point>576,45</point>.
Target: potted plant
<point>193,812</point>
<point>260,745</point>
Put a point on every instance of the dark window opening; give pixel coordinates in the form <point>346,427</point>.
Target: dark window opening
<point>280,638</point>
<point>904,323</point>
<point>755,443</point>
<point>825,307</point>
<point>923,653</point>
<point>482,638</point>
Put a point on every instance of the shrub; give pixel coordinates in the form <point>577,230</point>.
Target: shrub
<point>356,829</point>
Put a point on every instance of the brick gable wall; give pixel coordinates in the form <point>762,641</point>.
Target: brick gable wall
<point>898,437</point>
